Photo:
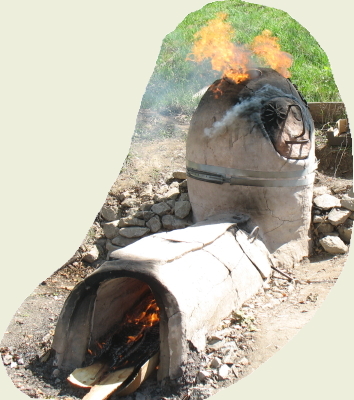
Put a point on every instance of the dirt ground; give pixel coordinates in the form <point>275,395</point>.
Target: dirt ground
<point>280,310</point>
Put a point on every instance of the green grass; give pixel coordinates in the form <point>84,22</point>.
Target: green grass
<point>175,80</point>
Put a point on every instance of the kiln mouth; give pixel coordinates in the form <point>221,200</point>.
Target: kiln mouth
<point>254,73</point>
<point>251,74</point>
<point>131,341</point>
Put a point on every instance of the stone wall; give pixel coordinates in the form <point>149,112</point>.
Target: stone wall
<point>141,212</point>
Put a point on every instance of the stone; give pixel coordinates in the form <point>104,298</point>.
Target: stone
<point>179,174</point>
<point>133,232</point>
<point>215,363</point>
<point>130,212</point>
<point>244,361</point>
<point>216,337</point>
<point>154,224</point>
<point>161,209</point>
<point>131,221</point>
<point>146,206</point>
<point>147,192</point>
<point>333,245</point>
<point>347,202</point>
<point>130,202</point>
<point>338,187</point>
<point>326,201</point>
<point>92,255</point>
<point>184,197</point>
<point>183,188</point>
<point>7,360</point>
<point>171,203</point>
<point>319,190</point>
<point>110,248</point>
<point>145,215</point>
<point>223,371</point>
<point>172,193</point>
<point>318,219</point>
<point>230,357</point>
<point>216,345</point>
<point>56,373</point>
<point>123,195</point>
<point>203,375</point>
<point>338,216</point>
<point>324,228</point>
<point>122,241</point>
<point>235,371</point>
<point>345,230</point>
<point>182,209</point>
<point>110,229</point>
<point>46,338</point>
<point>110,213</point>
<point>170,222</point>
<point>174,185</point>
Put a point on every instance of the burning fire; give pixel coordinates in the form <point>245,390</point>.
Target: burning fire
<point>142,318</point>
<point>213,41</point>
<point>268,48</point>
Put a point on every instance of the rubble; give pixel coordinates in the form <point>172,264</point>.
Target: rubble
<point>347,202</point>
<point>166,207</point>
<point>326,201</point>
<point>333,245</point>
<point>111,229</point>
<point>338,216</point>
<point>133,232</point>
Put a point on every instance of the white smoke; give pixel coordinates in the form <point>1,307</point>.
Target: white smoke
<point>250,107</point>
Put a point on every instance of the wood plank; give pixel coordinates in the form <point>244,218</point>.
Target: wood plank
<point>143,374</point>
<point>108,385</point>
<point>88,376</point>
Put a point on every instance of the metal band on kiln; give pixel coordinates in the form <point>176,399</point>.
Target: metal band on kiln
<point>220,175</point>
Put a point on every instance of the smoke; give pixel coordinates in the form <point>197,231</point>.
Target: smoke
<point>247,108</point>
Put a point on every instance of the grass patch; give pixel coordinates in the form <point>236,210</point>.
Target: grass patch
<point>175,80</point>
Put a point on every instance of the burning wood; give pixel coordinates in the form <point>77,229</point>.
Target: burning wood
<point>125,381</point>
<point>131,341</point>
<point>125,356</point>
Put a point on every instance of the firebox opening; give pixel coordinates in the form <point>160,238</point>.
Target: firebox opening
<point>254,73</point>
<point>125,324</point>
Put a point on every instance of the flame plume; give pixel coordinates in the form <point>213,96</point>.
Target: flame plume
<point>213,42</point>
<point>268,48</point>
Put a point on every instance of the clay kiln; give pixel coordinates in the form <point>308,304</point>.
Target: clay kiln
<point>250,166</point>
<point>250,149</point>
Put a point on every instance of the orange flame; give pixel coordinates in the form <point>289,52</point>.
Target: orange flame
<point>213,41</point>
<point>268,48</point>
<point>145,319</point>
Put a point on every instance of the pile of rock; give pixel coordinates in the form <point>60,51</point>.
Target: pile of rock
<point>135,214</point>
<point>332,220</point>
<point>149,209</point>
